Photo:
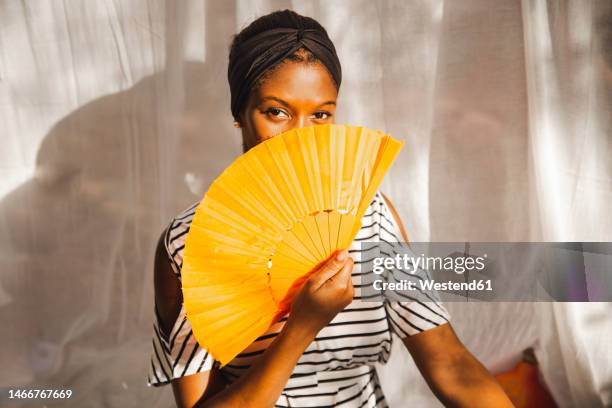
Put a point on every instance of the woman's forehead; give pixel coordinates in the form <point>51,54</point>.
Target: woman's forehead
<point>299,82</point>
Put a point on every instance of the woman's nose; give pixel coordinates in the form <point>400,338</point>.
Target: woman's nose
<point>302,121</point>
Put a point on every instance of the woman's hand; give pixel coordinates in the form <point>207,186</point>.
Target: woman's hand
<point>326,292</point>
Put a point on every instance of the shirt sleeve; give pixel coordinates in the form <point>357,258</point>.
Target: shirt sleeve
<point>417,313</point>
<point>408,318</point>
<point>179,354</point>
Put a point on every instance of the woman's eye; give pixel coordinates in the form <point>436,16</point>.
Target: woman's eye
<point>322,115</point>
<point>277,113</point>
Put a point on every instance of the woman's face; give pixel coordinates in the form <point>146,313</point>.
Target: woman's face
<point>294,95</point>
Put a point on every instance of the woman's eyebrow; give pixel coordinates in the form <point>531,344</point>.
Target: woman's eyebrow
<point>285,104</point>
<point>328,103</point>
<point>274,98</point>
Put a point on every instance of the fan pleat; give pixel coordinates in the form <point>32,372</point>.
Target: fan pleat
<point>221,216</point>
<point>323,153</point>
<point>283,177</point>
<point>256,181</point>
<point>310,227</point>
<point>334,218</point>
<point>322,223</point>
<point>217,298</point>
<point>293,248</point>
<point>385,158</point>
<point>267,183</point>
<point>248,203</point>
<point>279,149</point>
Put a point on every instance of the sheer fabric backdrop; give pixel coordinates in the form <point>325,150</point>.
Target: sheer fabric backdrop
<point>115,115</point>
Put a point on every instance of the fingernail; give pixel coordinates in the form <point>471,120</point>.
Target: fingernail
<point>341,256</point>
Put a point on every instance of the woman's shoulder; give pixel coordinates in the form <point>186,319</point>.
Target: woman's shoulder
<point>387,217</point>
<point>175,235</point>
<point>379,206</point>
<point>182,221</point>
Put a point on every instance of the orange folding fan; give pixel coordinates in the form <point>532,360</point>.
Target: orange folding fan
<point>276,213</point>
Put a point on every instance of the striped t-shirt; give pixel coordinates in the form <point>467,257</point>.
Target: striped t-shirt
<point>337,368</point>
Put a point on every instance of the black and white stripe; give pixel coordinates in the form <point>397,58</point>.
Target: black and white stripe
<point>337,368</point>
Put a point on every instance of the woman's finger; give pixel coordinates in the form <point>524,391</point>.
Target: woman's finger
<point>329,269</point>
<point>343,277</point>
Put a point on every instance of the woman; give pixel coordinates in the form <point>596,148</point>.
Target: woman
<point>284,73</point>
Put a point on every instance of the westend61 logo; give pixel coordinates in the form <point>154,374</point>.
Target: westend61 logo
<point>412,264</point>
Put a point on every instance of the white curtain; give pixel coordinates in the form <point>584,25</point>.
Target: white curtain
<point>568,48</point>
<point>114,115</point>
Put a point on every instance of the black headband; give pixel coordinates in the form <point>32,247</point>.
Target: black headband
<point>252,58</point>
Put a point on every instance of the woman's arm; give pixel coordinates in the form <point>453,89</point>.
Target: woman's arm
<point>454,375</point>
<point>168,299</point>
<point>260,386</point>
<point>192,390</point>
<point>263,383</point>
<point>327,291</point>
